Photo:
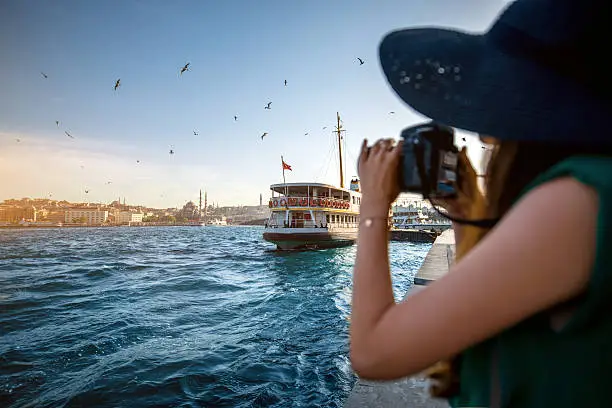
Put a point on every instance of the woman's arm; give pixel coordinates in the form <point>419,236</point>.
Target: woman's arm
<point>540,254</point>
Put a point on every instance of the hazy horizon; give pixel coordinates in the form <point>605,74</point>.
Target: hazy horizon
<point>240,54</point>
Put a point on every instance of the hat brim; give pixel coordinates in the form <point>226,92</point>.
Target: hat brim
<point>464,81</point>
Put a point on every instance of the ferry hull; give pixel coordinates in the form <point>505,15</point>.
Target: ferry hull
<point>290,241</point>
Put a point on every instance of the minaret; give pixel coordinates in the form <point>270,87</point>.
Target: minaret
<point>205,206</point>
<point>200,208</point>
<point>260,200</point>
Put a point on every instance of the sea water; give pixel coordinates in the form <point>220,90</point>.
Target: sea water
<point>177,317</point>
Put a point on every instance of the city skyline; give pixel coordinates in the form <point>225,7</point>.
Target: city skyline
<point>63,59</point>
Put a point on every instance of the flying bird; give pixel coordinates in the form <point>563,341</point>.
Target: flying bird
<point>235,118</point>
<point>392,113</point>
<point>361,62</point>
<point>463,138</point>
<point>86,191</point>
<point>69,135</point>
<point>268,106</point>
<point>306,134</point>
<point>18,140</point>
<point>137,161</point>
<point>117,83</point>
<point>57,123</point>
<point>195,133</point>
<point>324,127</point>
<point>44,75</point>
<point>285,82</point>
<point>185,68</point>
<point>264,135</point>
<point>171,151</point>
<point>109,182</point>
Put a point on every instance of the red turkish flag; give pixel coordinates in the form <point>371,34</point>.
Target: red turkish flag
<point>286,166</point>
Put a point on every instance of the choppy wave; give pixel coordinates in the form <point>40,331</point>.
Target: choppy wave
<point>175,317</point>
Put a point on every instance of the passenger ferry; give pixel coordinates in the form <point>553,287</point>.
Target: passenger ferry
<point>413,223</point>
<point>314,215</point>
<point>417,220</point>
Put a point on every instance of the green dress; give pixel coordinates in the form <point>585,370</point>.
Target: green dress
<point>536,366</point>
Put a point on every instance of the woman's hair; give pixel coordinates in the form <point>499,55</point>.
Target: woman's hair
<point>514,165</point>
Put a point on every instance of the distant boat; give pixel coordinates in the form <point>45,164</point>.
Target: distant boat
<point>216,222</point>
<point>314,215</point>
<point>419,222</point>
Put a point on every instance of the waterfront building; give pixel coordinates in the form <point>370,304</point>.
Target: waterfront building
<point>128,217</point>
<point>87,215</point>
<point>12,213</point>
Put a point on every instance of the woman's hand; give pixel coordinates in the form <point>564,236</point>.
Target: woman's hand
<point>469,204</point>
<point>378,173</point>
<point>467,192</point>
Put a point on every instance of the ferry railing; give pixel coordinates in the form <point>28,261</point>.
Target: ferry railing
<point>329,226</point>
<point>309,202</point>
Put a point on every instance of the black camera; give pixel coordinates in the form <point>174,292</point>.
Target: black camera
<point>430,166</point>
<point>429,161</point>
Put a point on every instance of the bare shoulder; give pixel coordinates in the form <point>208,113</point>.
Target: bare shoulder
<point>540,254</point>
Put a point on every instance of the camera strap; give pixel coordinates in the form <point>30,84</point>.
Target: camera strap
<point>427,187</point>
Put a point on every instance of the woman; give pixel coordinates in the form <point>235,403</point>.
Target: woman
<point>524,313</point>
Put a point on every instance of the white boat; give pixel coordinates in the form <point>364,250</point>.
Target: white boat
<point>314,215</point>
<point>419,222</point>
<point>217,222</point>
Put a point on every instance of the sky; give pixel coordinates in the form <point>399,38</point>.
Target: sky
<point>240,54</point>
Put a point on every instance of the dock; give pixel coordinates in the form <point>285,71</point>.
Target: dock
<point>411,392</point>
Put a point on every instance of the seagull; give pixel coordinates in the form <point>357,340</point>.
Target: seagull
<point>117,83</point>
<point>171,151</point>
<point>361,62</point>
<point>306,134</point>
<point>285,82</point>
<point>185,68</point>
<point>264,135</point>
<point>86,191</point>
<point>235,118</point>
<point>195,133</point>
<point>324,127</point>
<point>463,138</point>
<point>268,106</point>
<point>109,182</point>
<point>44,75</point>
<point>18,140</point>
<point>137,161</point>
<point>392,113</point>
<point>69,135</point>
<point>57,123</point>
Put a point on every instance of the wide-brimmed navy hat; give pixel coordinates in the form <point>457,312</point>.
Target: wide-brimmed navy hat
<point>540,73</point>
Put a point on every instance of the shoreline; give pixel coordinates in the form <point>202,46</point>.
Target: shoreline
<point>26,227</point>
